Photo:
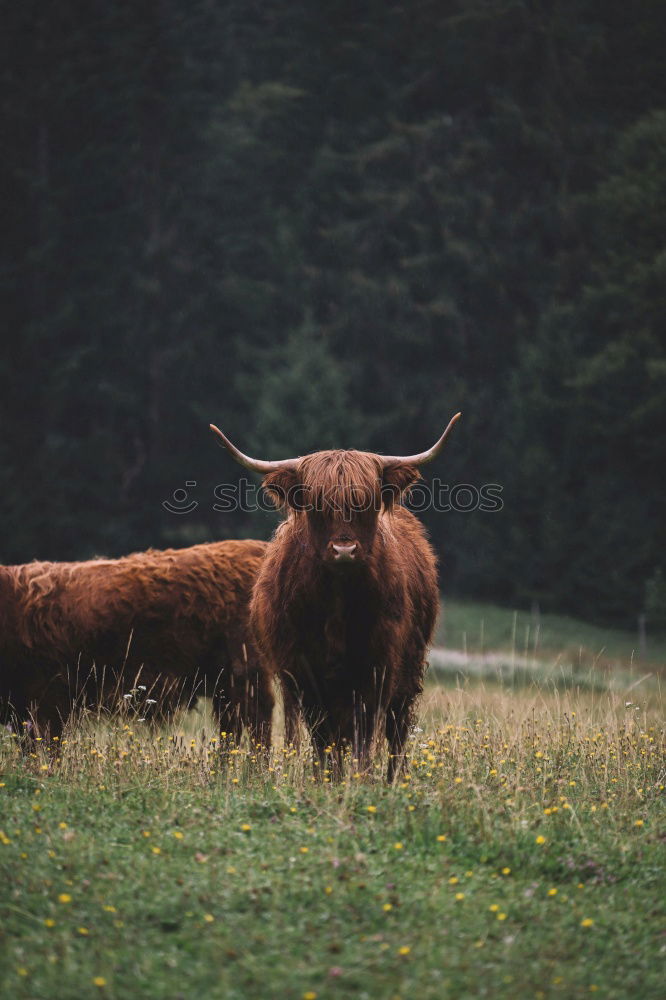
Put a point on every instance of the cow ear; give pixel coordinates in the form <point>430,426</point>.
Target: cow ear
<point>280,486</point>
<point>396,482</point>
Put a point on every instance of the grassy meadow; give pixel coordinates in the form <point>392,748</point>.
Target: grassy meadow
<point>520,855</point>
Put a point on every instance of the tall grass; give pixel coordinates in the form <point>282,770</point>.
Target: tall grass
<point>519,855</point>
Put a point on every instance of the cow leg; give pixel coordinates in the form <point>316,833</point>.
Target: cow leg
<point>328,742</point>
<point>364,726</point>
<point>399,716</point>
<point>227,709</point>
<point>322,760</point>
<point>17,718</point>
<point>257,708</point>
<point>291,705</point>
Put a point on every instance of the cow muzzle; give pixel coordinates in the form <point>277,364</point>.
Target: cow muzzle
<point>345,553</point>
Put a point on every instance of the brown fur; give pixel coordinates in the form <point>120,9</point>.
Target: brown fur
<point>347,639</point>
<point>178,618</point>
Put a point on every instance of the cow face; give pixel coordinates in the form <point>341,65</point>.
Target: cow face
<point>338,497</point>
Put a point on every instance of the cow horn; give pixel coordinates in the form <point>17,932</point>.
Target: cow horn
<point>255,464</point>
<point>424,456</point>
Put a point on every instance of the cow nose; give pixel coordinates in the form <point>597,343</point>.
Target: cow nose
<point>344,551</point>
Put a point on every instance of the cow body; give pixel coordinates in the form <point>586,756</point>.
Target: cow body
<point>175,620</point>
<point>348,643</point>
<point>345,602</point>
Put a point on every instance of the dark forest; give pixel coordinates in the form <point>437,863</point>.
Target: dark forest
<point>334,226</point>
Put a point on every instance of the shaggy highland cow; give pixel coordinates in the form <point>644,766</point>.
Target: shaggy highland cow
<point>175,621</point>
<point>345,602</point>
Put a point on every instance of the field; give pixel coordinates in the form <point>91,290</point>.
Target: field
<point>521,855</point>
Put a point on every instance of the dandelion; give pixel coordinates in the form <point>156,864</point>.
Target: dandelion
<point>552,892</point>
<point>501,916</point>
<point>588,922</point>
<point>371,809</point>
<point>109,909</point>
<point>64,897</point>
<point>441,838</point>
<point>245,827</point>
<point>310,995</point>
<point>99,981</point>
<point>398,846</point>
<point>493,907</point>
<point>49,922</point>
<point>83,931</point>
<point>453,880</point>
<point>328,889</point>
<point>209,918</point>
<point>404,950</point>
<point>540,839</point>
<point>156,850</point>
<point>460,896</point>
<point>506,871</point>
<point>639,822</point>
<point>178,835</point>
<point>304,850</point>
<point>387,907</point>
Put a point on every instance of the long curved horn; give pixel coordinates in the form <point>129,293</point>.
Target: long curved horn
<point>424,456</point>
<point>255,464</point>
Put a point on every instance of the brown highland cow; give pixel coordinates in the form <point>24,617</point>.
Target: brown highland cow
<point>175,621</point>
<point>346,599</point>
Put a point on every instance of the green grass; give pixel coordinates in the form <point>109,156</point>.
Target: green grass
<point>479,628</point>
<point>164,868</point>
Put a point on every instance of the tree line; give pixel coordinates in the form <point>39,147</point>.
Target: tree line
<point>337,226</point>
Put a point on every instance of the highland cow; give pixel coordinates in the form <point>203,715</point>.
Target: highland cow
<point>175,621</point>
<point>345,602</point>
